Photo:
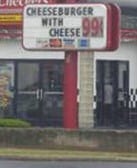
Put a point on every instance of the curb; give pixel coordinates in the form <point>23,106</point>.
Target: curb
<point>107,159</point>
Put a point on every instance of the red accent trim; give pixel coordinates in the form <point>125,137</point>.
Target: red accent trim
<point>109,26</point>
<point>113,27</point>
<point>70,90</point>
<point>129,34</point>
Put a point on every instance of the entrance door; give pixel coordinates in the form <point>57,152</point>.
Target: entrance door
<point>39,92</point>
<point>52,93</point>
<point>112,93</point>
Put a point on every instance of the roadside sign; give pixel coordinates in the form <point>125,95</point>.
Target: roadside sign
<point>67,27</point>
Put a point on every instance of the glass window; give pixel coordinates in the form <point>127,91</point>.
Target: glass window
<point>6,89</point>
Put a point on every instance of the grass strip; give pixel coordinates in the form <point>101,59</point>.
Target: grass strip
<point>36,154</point>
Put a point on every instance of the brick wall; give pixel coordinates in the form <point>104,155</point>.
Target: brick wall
<point>85,112</point>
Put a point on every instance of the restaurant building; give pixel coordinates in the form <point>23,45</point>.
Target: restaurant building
<point>66,89</point>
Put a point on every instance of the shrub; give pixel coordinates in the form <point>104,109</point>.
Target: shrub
<point>8,122</point>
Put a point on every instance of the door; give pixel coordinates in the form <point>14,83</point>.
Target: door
<point>40,92</point>
<point>112,93</point>
<point>122,93</point>
<point>52,90</point>
<point>28,97</point>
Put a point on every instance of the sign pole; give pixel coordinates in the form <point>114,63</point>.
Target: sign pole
<point>70,90</point>
<point>70,110</point>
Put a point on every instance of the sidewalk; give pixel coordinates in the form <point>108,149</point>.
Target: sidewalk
<point>36,154</point>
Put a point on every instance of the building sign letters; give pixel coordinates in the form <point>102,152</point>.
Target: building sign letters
<point>11,11</point>
<point>19,3</point>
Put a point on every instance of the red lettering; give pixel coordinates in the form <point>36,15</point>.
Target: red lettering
<point>96,27</point>
<point>92,27</point>
<point>86,27</point>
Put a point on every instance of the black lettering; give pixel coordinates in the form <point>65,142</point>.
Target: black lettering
<point>60,22</point>
<point>51,32</point>
<point>61,33</point>
<point>72,32</point>
<point>52,21</point>
<point>55,11</point>
<point>90,11</point>
<point>60,11</point>
<point>79,11</point>
<point>85,12</point>
<point>78,32</point>
<point>54,32</point>
<point>45,21</point>
<point>49,11</point>
<point>44,12</point>
<point>64,32</point>
<point>73,11</point>
<point>31,11</point>
<point>39,11</point>
<point>66,11</point>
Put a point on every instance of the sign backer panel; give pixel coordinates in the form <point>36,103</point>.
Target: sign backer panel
<point>65,27</point>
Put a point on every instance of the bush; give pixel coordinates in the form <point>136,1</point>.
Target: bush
<point>6,122</point>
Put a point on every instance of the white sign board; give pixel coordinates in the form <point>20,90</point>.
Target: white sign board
<point>65,27</point>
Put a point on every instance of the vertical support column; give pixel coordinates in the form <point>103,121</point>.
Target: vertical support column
<point>86,83</point>
<point>70,87</point>
<point>70,90</point>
